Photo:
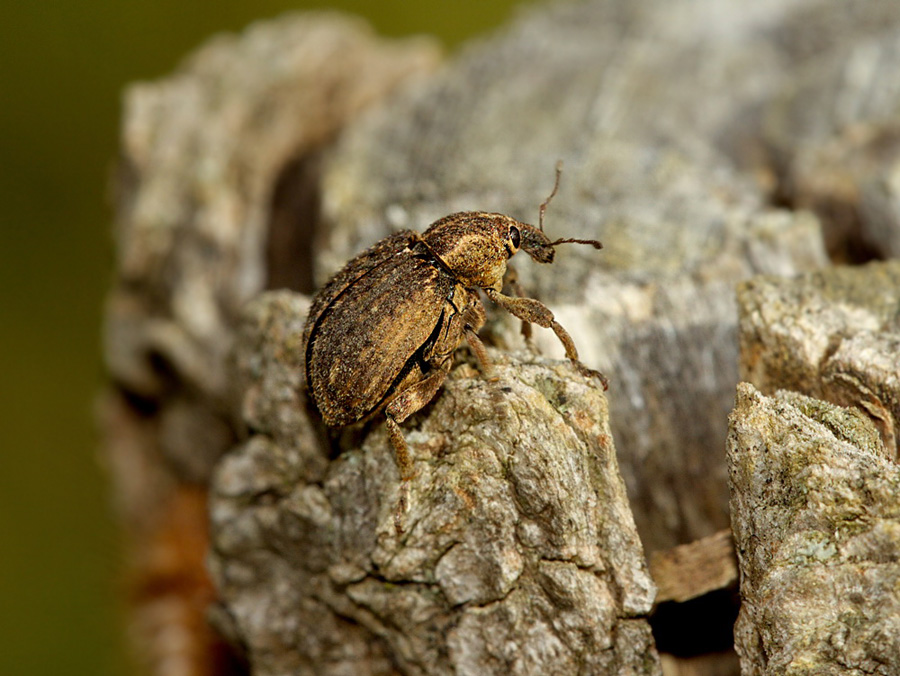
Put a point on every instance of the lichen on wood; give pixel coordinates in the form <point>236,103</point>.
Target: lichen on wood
<point>832,335</point>
<point>817,525</point>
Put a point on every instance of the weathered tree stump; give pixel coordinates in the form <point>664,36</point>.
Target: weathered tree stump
<point>691,134</point>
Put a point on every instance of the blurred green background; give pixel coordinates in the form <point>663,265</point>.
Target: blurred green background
<point>63,65</point>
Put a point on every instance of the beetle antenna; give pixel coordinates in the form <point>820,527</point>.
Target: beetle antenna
<point>593,242</point>
<point>544,204</point>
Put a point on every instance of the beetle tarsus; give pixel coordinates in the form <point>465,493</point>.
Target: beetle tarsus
<point>401,509</point>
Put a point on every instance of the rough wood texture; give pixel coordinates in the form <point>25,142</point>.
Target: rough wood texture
<point>520,554</point>
<point>815,506</point>
<point>200,229</point>
<point>681,124</point>
<point>688,571</point>
<point>833,335</point>
<point>817,524</point>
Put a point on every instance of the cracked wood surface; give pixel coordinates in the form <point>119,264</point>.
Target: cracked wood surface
<point>817,527</point>
<point>833,335</point>
<point>520,554</point>
<point>813,473</point>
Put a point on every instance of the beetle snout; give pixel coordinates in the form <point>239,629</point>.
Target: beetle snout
<point>543,254</point>
<point>537,245</point>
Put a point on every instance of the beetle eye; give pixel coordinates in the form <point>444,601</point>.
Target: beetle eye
<point>514,236</point>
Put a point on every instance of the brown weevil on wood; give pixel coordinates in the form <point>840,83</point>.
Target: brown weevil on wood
<point>381,334</point>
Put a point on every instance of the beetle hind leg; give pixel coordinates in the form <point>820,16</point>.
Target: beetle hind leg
<point>406,403</point>
<point>414,397</point>
<point>401,449</point>
<point>405,465</point>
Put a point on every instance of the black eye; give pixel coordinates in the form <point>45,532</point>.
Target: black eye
<point>514,236</point>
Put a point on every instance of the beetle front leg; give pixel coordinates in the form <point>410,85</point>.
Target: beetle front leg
<point>512,278</point>
<point>530,310</point>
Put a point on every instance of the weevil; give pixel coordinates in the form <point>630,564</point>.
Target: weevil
<point>381,334</point>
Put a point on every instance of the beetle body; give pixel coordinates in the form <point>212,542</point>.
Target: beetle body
<point>381,333</point>
<point>375,333</point>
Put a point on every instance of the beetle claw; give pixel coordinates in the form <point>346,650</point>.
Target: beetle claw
<point>591,373</point>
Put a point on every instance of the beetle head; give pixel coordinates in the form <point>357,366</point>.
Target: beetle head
<point>535,243</point>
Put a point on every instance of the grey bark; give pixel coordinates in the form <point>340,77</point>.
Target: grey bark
<point>520,554</point>
<point>833,335</point>
<point>817,524</point>
<point>814,486</point>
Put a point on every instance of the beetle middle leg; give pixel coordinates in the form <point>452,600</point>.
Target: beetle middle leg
<point>531,310</point>
<point>481,355</point>
<point>473,318</point>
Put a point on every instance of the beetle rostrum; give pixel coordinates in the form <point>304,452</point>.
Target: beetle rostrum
<point>381,334</point>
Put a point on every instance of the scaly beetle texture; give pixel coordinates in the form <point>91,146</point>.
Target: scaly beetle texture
<point>381,334</point>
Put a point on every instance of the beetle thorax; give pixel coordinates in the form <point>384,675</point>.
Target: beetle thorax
<point>476,260</point>
<point>473,246</point>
